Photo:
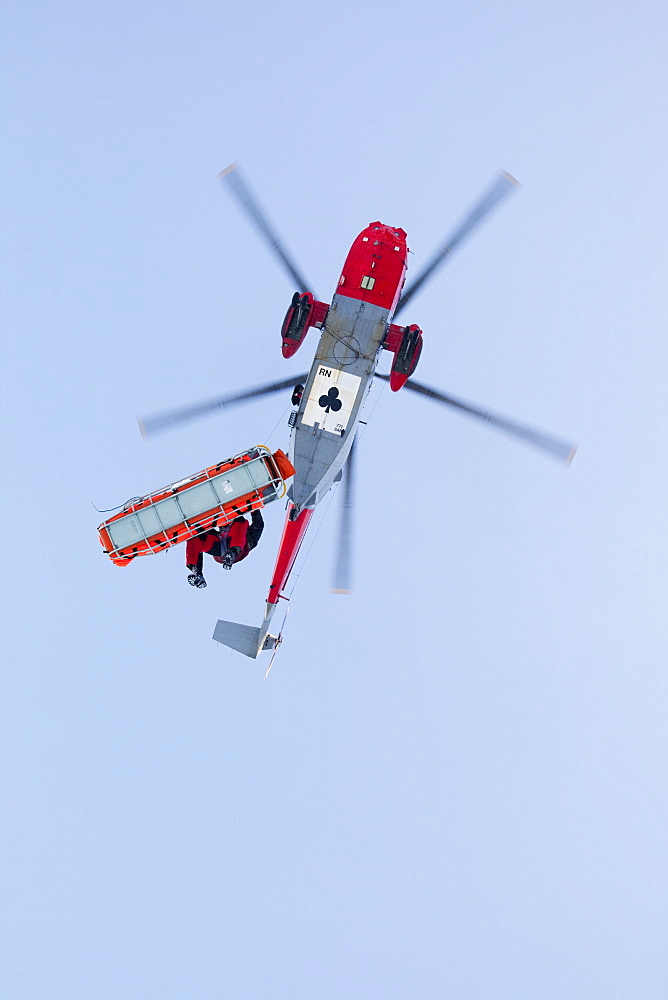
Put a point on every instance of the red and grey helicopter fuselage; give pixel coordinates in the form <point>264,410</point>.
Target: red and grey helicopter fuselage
<point>353,332</point>
<point>355,328</point>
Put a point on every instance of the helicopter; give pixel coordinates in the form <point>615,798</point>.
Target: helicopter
<point>355,328</point>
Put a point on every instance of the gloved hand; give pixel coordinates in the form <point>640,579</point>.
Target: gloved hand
<point>196,580</point>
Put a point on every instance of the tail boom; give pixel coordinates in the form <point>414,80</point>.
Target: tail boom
<point>248,639</point>
<point>293,535</point>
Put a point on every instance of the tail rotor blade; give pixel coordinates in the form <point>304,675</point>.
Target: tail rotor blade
<point>343,570</point>
<point>560,449</point>
<point>174,418</point>
<point>232,177</point>
<point>501,187</point>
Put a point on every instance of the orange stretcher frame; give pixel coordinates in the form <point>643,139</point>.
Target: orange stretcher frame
<point>208,499</point>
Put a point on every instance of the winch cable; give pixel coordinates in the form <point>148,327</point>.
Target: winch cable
<point>117,507</point>
<point>303,560</point>
<point>279,421</point>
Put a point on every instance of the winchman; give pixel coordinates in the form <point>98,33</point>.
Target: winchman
<point>228,546</point>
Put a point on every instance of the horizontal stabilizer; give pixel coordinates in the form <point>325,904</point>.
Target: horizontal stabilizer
<point>245,639</point>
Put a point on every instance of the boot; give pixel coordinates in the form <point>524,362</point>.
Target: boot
<point>195,578</point>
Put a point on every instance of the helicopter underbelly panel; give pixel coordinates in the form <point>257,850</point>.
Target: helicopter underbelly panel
<point>331,399</point>
<point>334,394</point>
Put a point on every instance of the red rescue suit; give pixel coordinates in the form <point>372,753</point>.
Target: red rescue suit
<point>239,535</point>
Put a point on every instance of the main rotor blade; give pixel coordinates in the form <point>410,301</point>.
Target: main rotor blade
<point>342,572</point>
<point>252,209</point>
<point>172,418</point>
<point>499,190</point>
<point>560,449</point>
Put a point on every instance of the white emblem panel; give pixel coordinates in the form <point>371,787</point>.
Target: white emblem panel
<point>331,399</point>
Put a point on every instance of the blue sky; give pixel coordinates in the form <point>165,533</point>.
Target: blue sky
<point>453,783</point>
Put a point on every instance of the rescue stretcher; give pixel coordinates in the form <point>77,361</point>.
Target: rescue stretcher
<point>208,499</point>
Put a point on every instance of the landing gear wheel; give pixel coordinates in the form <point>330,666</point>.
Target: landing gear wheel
<point>297,393</point>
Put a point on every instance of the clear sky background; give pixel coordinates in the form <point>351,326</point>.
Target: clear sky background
<point>453,783</point>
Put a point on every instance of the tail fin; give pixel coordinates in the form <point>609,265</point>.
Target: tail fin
<point>245,639</point>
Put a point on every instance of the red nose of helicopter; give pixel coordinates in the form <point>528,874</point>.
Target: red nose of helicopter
<point>375,267</point>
